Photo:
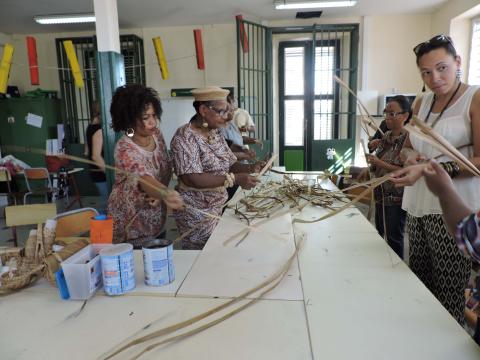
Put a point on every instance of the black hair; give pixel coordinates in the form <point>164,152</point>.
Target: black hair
<point>128,104</point>
<point>404,104</point>
<point>197,104</point>
<point>436,42</point>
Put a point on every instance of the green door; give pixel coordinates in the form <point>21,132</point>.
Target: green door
<point>316,115</point>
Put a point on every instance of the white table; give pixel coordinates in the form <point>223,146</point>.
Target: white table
<point>348,296</point>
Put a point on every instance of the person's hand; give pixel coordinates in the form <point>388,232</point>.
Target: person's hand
<point>243,129</point>
<point>259,143</point>
<point>408,175</point>
<point>363,176</point>
<point>250,153</point>
<point>373,160</point>
<point>437,179</point>
<point>246,181</point>
<point>372,145</point>
<point>153,202</point>
<point>242,156</point>
<point>258,166</point>
<point>173,199</point>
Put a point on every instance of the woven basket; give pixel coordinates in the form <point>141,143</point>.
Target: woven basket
<point>26,274</point>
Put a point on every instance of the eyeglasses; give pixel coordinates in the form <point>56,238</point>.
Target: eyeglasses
<point>431,44</point>
<point>222,113</point>
<point>392,113</point>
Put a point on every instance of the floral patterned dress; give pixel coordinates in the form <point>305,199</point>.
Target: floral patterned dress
<point>133,216</point>
<point>193,154</point>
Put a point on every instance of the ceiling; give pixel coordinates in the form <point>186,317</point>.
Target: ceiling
<point>16,16</point>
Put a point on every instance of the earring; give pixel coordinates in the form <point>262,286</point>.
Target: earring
<point>459,74</point>
<point>130,132</point>
<point>204,124</point>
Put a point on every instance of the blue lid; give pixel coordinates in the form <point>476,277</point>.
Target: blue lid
<point>101,217</point>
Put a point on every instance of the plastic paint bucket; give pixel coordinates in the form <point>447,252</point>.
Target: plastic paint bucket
<point>158,262</point>
<point>118,269</point>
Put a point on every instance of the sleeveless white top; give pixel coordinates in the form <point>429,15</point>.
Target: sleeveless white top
<point>454,126</point>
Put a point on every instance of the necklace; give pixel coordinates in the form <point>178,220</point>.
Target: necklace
<point>444,108</point>
<point>210,136</point>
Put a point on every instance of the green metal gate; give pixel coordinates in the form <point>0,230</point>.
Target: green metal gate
<point>254,76</point>
<point>76,103</point>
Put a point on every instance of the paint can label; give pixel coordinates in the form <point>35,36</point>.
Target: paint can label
<point>118,269</point>
<point>158,262</point>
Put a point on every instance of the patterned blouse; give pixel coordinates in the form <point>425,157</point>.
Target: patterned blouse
<point>193,154</point>
<point>468,236</point>
<point>389,151</point>
<point>133,216</point>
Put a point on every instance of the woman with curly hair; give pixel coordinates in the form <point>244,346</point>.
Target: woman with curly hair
<point>139,196</point>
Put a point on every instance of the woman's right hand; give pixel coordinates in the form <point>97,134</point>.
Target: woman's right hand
<point>246,181</point>
<point>173,199</point>
<point>408,175</point>
<point>372,145</point>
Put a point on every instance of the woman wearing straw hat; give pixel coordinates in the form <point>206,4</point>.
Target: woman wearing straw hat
<point>452,109</point>
<point>206,167</point>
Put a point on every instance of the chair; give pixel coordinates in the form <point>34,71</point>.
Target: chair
<point>35,176</point>
<point>18,215</point>
<point>6,178</point>
<point>74,223</point>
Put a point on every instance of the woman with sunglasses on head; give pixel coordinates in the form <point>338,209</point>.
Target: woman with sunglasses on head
<point>206,167</point>
<point>452,109</point>
<point>139,198</point>
<point>389,215</point>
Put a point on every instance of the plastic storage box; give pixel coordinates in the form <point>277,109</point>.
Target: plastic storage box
<point>83,272</point>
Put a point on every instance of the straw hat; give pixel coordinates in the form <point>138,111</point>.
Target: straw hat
<point>210,93</point>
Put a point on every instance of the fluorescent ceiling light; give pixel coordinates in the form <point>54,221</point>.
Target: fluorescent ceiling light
<point>64,19</point>
<point>284,5</point>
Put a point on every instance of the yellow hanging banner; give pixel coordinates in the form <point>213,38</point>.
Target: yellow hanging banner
<point>72,59</point>
<point>5,67</point>
<point>157,43</point>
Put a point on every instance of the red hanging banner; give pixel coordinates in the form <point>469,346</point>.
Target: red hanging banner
<point>32,60</point>
<point>243,34</point>
<point>197,34</point>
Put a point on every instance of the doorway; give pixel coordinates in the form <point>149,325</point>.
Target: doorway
<point>316,115</point>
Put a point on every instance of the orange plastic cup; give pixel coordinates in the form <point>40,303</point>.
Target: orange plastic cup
<point>101,230</point>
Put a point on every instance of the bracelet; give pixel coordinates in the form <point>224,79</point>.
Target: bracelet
<point>452,168</point>
<point>229,180</point>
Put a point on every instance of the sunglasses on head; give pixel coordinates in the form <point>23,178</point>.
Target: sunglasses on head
<point>431,44</point>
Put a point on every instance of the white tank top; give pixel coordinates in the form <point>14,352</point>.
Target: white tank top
<point>454,126</point>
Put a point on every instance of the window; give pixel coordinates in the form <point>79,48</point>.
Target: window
<point>474,68</point>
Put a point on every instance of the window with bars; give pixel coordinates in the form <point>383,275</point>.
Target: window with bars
<point>474,68</point>
<point>76,102</point>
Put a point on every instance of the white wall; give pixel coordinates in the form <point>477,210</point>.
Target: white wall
<point>388,43</point>
<point>4,38</point>
<point>442,17</point>
<point>219,48</point>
